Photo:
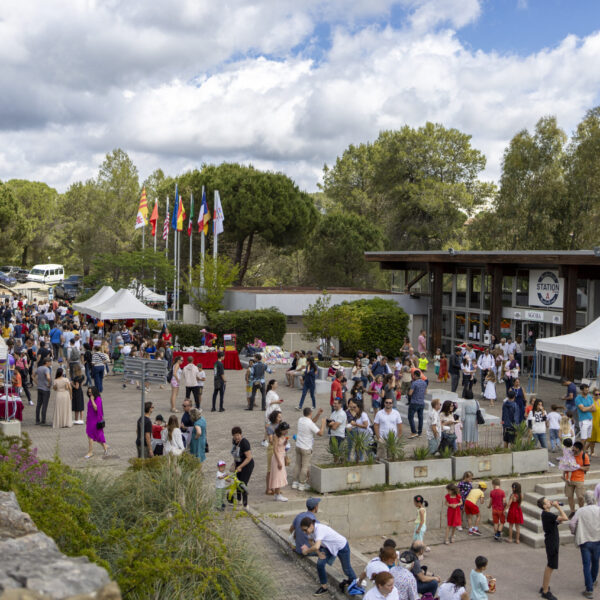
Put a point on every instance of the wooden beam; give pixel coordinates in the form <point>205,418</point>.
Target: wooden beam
<point>436,306</point>
<point>413,281</point>
<point>569,317</point>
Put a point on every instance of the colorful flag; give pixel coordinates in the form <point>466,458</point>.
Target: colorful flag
<point>175,210</point>
<point>142,214</point>
<point>219,217</point>
<point>154,218</point>
<point>180,215</point>
<point>166,227</point>
<point>203,215</point>
<point>191,215</point>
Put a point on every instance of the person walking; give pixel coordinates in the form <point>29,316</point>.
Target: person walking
<point>305,439</point>
<point>243,462</point>
<point>416,403</point>
<point>100,362</point>
<point>278,478</point>
<point>63,416</point>
<point>193,378</point>
<point>585,526</point>
<point>257,375</point>
<point>198,441</point>
<point>219,383</point>
<point>77,402</point>
<point>386,420</point>
<point>94,423</point>
<point>310,379</point>
<point>485,363</point>
<point>175,380</point>
<point>455,368</point>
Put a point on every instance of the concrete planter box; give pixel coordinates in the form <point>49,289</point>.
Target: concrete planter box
<point>530,461</point>
<point>482,466</point>
<point>405,471</point>
<point>356,477</point>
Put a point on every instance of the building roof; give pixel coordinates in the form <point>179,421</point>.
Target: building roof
<point>304,290</point>
<point>587,260</point>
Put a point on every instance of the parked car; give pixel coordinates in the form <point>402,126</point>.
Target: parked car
<point>6,279</point>
<point>48,274</point>
<point>67,290</point>
<point>78,279</point>
<point>18,273</point>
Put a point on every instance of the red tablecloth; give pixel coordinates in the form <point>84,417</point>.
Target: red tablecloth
<point>11,408</point>
<point>208,359</point>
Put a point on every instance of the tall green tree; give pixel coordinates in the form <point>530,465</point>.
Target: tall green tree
<point>419,185</point>
<point>530,208</point>
<point>11,220</point>
<point>335,252</point>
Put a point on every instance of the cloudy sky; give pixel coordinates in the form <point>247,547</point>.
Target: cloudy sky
<point>283,84</point>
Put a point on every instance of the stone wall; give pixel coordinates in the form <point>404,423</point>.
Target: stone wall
<point>33,568</point>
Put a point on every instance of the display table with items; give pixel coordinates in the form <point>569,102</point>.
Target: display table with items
<point>15,407</point>
<point>231,360</point>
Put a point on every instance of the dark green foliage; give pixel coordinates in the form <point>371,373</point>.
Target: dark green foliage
<point>383,325</point>
<point>267,324</point>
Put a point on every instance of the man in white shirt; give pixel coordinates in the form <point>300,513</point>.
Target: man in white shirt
<point>305,439</point>
<point>485,362</point>
<point>434,427</point>
<point>585,526</point>
<point>193,379</point>
<point>386,420</point>
<point>84,333</point>
<point>327,544</point>
<point>337,423</point>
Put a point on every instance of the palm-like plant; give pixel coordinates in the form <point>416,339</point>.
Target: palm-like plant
<point>394,446</point>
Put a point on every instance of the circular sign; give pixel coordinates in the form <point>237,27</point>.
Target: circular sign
<point>548,288</point>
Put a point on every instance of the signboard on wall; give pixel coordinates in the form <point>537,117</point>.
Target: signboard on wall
<point>546,288</point>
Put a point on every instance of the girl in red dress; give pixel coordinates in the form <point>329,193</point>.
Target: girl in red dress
<point>453,501</point>
<point>443,375</point>
<point>515,513</point>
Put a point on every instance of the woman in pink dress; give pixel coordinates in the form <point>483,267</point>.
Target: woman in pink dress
<point>94,425</point>
<point>278,478</point>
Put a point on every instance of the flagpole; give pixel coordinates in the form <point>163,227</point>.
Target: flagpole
<point>175,275</point>
<point>167,240</point>
<point>155,236</point>
<point>143,235</point>
<point>202,258</point>
<point>191,227</point>
<point>178,266</point>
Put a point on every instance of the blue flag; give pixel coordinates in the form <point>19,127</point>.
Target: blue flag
<point>175,210</point>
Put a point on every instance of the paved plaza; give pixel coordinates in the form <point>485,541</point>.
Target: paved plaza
<point>517,568</point>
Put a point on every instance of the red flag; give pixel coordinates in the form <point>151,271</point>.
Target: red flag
<point>154,218</point>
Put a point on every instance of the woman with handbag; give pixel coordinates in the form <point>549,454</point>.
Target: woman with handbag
<point>198,441</point>
<point>279,461</point>
<point>94,425</point>
<point>470,427</point>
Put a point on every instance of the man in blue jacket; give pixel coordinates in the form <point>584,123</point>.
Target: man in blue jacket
<point>509,411</point>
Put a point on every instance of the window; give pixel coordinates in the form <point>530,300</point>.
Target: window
<point>522,288</point>
<point>446,323</point>
<point>460,325</point>
<point>475,290</point>
<point>447,289</point>
<point>461,289</point>
<point>507,291</point>
<point>474,332</point>
<point>582,294</point>
<point>487,283</point>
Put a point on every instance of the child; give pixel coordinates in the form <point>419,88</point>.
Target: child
<point>375,390</point>
<point>515,514</point>
<point>550,523</point>
<point>554,417</point>
<point>480,583</point>
<point>567,429</point>
<point>220,485</point>
<point>464,487</point>
<point>406,378</point>
<point>248,379</point>
<point>476,496</point>
<point>498,505</point>
<point>490,387</point>
<point>423,362</point>
<point>567,461</point>
<point>436,361</point>
<point>157,428</point>
<point>458,427</point>
<point>443,376</point>
<point>421,520</point>
<point>397,368</point>
<point>453,502</point>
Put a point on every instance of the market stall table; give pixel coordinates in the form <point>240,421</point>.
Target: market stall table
<point>231,361</point>
<point>12,414</point>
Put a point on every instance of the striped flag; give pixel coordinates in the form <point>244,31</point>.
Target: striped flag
<point>142,215</point>
<point>203,215</point>
<point>191,215</point>
<point>166,224</point>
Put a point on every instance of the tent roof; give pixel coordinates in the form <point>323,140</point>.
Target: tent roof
<point>103,294</point>
<point>147,295</point>
<point>124,305</point>
<point>584,343</point>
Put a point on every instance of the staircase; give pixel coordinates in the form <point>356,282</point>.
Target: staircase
<point>532,533</point>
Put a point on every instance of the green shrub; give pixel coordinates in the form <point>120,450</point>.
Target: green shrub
<point>267,324</point>
<point>421,453</point>
<point>187,335</point>
<point>383,325</point>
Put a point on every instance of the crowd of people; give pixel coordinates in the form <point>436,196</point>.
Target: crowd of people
<point>60,351</point>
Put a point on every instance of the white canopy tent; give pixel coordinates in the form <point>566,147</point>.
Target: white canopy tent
<point>140,291</point>
<point>584,343</point>
<point>124,305</point>
<point>102,295</point>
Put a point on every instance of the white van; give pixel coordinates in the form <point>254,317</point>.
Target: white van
<point>46,274</point>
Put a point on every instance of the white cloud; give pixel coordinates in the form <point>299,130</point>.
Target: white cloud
<point>180,83</point>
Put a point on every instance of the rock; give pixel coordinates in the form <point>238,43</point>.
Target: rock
<point>33,568</point>
<point>13,522</point>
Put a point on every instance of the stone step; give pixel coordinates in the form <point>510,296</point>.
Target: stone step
<point>557,487</point>
<point>536,539</point>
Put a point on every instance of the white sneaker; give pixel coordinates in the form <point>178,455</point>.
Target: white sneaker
<point>31,403</point>
<point>295,485</point>
<point>304,487</point>
<point>281,498</point>
<point>459,528</point>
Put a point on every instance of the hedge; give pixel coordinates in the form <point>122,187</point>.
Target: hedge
<point>383,325</point>
<point>268,324</point>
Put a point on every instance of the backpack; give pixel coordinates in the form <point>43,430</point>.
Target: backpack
<point>75,355</point>
<point>169,375</point>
